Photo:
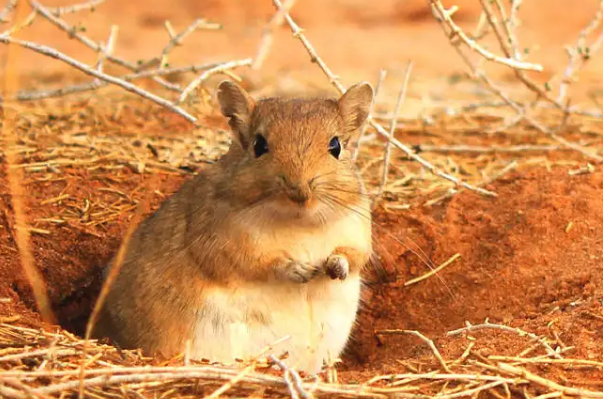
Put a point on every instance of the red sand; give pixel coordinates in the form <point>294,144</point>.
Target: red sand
<point>518,265</point>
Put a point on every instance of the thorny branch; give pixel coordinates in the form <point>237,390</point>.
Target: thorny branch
<point>177,41</point>
<point>334,80</point>
<point>105,53</point>
<point>507,39</point>
<point>89,5</point>
<point>50,52</point>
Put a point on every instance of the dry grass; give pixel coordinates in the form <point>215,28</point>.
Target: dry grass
<point>42,364</point>
<point>67,133</point>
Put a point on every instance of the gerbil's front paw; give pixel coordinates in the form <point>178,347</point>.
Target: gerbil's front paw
<point>337,266</point>
<point>298,272</point>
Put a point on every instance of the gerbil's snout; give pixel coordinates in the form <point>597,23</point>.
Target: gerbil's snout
<point>299,194</point>
<point>298,191</point>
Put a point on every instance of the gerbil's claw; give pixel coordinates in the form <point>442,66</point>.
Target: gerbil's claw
<point>300,272</point>
<point>337,266</point>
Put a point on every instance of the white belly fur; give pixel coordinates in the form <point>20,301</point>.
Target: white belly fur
<point>240,323</point>
<point>318,316</point>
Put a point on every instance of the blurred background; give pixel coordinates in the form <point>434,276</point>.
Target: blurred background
<point>355,38</point>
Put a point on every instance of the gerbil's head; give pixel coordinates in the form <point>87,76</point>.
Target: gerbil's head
<point>290,157</point>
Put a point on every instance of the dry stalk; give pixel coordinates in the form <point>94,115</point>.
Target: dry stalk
<point>547,360</point>
<point>508,44</point>
<point>494,149</point>
<point>506,48</point>
<point>292,378</point>
<point>108,47</point>
<point>432,272</point>
<point>72,32</point>
<point>17,188</point>
<point>488,325</point>
<point>512,165</point>
<point>205,75</point>
<point>569,391</point>
<point>458,32</point>
<point>334,80</point>
<point>580,53</point>
<point>392,130</point>
<point>89,5</point>
<point>268,32</point>
<point>176,40</point>
<point>114,271</point>
<point>97,83</point>
<point>50,52</point>
<point>382,74</point>
<point>428,341</point>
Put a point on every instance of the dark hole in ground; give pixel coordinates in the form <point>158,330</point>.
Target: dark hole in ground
<point>74,310</point>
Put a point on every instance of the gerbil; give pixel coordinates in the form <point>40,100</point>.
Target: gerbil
<point>267,242</point>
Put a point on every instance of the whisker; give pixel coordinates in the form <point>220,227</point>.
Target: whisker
<point>419,253</point>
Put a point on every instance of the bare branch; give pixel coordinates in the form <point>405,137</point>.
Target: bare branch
<point>50,52</point>
<point>423,338</point>
<point>392,130</point>
<point>97,84</point>
<point>177,41</point>
<point>494,149</point>
<point>89,5</point>
<point>97,47</point>
<point>579,53</point>
<point>514,64</point>
<point>108,48</point>
<point>298,33</point>
<point>382,74</point>
<point>491,326</point>
<point>205,75</point>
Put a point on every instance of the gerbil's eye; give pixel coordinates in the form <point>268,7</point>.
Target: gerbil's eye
<point>260,146</point>
<point>335,147</point>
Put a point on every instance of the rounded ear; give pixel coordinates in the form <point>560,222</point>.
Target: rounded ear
<point>237,106</point>
<point>355,106</point>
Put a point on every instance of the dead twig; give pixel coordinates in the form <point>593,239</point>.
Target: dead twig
<point>580,53</point>
<point>569,391</point>
<point>50,52</point>
<point>268,32</point>
<point>382,74</point>
<point>205,75</point>
<point>98,84</point>
<point>176,40</point>
<point>392,130</point>
<point>491,326</point>
<point>89,5</point>
<point>428,341</point>
<point>17,189</point>
<point>458,32</point>
<point>452,259</point>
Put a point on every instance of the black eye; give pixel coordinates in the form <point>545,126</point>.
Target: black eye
<point>260,146</point>
<point>335,147</point>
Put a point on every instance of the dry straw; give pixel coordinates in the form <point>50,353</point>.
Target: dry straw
<point>42,364</point>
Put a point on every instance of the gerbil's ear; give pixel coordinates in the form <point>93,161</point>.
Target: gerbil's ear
<point>237,106</point>
<point>355,106</point>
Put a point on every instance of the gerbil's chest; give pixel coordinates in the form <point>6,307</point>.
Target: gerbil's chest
<point>316,244</point>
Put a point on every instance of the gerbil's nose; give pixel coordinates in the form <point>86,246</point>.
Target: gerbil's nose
<point>298,192</point>
<point>299,195</point>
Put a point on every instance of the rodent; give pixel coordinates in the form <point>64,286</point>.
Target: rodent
<point>269,241</point>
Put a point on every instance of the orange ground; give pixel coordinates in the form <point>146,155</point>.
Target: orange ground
<point>518,266</point>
